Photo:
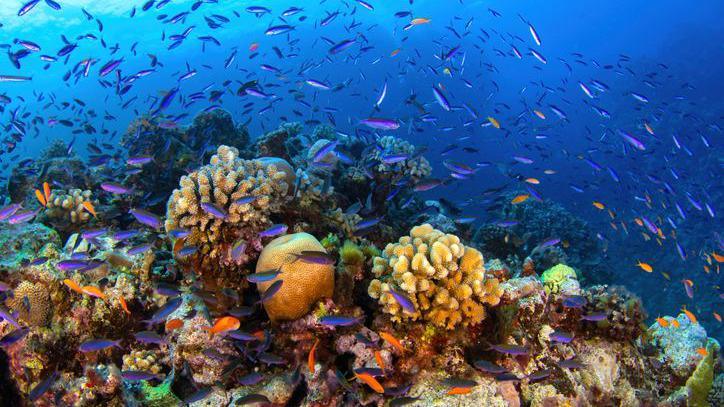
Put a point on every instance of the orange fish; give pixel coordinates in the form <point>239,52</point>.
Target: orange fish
<point>494,122</point>
<point>178,245</point>
<point>419,21</point>
<point>93,292</point>
<point>253,46</point>
<point>645,267</point>
<point>89,207</point>
<point>46,191</point>
<point>73,285</point>
<point>392,341</point>
<point>689,315</point>
<point>599,205</point>
<point>370,381</point>
<point>533,181</point>
<point>639,221</point>
<point>662,322</point>
<point>124,306</point>
<point>224,324</point>
<point>395,52</point>
<point>702,351</point>
<point>675,323</point>
<point>311,361</point>
<point>459,390</point>
<point>378,359</point>
<point>539,114</point>
<point>41,198</point>
<point>716,316</point>
<point>173,324</point>
<point>520,198</point>
<point>718,257</point>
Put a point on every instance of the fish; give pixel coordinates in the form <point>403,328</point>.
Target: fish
<point>271,291</point>
<point>370,381</point>
<point>138,375</point>
<point>262,277</point>
<point>380,123</point>
<point>403,300</point>
<point>645,267</point>
<point>520,199</point>
<point>43,386</point>
<point>389,338</point>
<point>223,325</point>
<point>214,210</point>
<point>146,218</point>
<point>311,358</point>
<point>95,345</point>
<point>93,292</point>
<point>274,230</point>
<point>339,320</point>
<point>315,257</point>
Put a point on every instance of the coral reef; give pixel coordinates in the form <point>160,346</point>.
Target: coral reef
<point>444,279</point>
<point>240,194</point>
<point>561,279</point>
<point>66,210</point>
<point>32,303</point>
<point>303,282</point>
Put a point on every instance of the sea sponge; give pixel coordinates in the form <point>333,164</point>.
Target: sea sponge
<point>561,279</point>
<point>222,182</point>
<point>701,381</point>
<point>32,302</point>
<point>444,279</point>
<point>304,283</point>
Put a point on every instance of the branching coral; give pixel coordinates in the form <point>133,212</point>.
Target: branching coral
<point>226,184</point>
<point>410,164</point>
<point>444,279</point>
<point>67,206</point>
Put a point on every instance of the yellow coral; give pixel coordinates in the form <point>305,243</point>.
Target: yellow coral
<point>68,205</point>
<point>444,279</point>
<point>304,283</point>
<point>32,302</point>
<point>222,183</point>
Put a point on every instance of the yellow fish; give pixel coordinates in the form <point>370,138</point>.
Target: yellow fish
<point>533,181</point>
<point>520,198</point>
<point>539,114</point>
<point>494,122</point>
<point>419,21</point>
<point>645,267</point>
<point>599,205</point>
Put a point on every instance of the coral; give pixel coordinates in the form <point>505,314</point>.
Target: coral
<point>144,360</point>
<point>716,394</point>
<point>21,243</point>
<point>304,283</point>
<point>351,254</point>
<point>626,314</point>
<point>65,208</point>
<point>414,165</point>
<point>431,390</point>
<point>677,346</point>
<point>32,303</point>
<point>701,381</point>
<point>444,279</point>
<point>158,396</point>
<point>561,279</point>
<point>225,180</point>
<point>282,142</point>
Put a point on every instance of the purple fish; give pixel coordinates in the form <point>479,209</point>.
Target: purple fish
<point>179,233</point>
<point>42,387</point>
<point>142,248</point>
<point>367,223</point>
<point>523,160</point>
<point>278,29</point>
<point>489,367</point>
<point>136,375</point>
<point>539,375</point>
<point>115,188</point>
<point>13,337</point>
<point>251,379</point>
<point>381,124</point>
<point>7,316</point>
<point>146,218</point>
<point>427,184</point>
<point>98,344</point>
<point>510,349</point>
<point>394,158</point>
<point>242,336</point>
<point>262,277</point>
<point>246,200</point>
<point>238,250</point>
<point>149,337</point>
<point>324,150</point>
<point>271,291</point>
<point>404,301</point>
<point>632,140</point>
<point>167,309</point>
<point>71,265</point>
<point>187,251</point>
<point>25,9</point>
<point>139,160</point>
<point>549,242</point>
<point>560,336</point>
<point>214,210</point>
<point>109,67</point>
<point>339,320</point>
<point>122,235</point>
<point>441,99</point>
<point>274,230</point>
<point>595,316</point>
<point>574,301</point>
<point>22,217</point>
<point>8,211</point>
<point>341,46</point>
<point>315,257</point>
<point>571,364</point>
<point>271,359</point>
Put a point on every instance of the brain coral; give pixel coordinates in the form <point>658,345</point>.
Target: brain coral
<point>304,283</point>
<point>32,302</point>
<point>444,279</point>
<point>223,183</point>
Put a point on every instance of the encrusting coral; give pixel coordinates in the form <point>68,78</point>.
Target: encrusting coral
<point>444,279</point>
<point>241,194</point>
<point>303,283</point>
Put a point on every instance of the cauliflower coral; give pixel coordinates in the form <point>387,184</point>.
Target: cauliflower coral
<point>444,279</point>
<point>245,191</point>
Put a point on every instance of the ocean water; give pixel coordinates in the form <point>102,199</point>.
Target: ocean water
<point>612,110</point>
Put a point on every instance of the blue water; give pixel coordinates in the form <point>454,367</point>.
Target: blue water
<point>668,51</point>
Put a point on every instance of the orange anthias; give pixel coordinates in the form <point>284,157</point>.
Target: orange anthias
<point>124,305</point>
<point>46,191</point>
<point>73,286</point>
<point>224,324</point>
<point>311,359</point>
<point>370,381</point>
<point>174,324</point>
<point>89,207</point>
<point>392,341</point>
<point>94,292</point>
<point>41,198</point>
<point>459,390</point>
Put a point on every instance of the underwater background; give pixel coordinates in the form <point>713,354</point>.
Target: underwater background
<point>451,182</point>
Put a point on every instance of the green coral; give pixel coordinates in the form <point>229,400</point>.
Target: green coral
<point>351,254</point>
<point>556,276</point>
<point>700,382</point>
<point>159,396</point>
<point>330,242</point>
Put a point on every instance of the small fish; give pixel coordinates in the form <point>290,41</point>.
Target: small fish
<point>370,381</point>
<point>149,337</point>
<point>173,324</point>
<point>263,276</point>
<point>645,267</point>
<point>389,338</point>
<point>94,345</point>
<point>43,386</point>
<point>702,351</point>
<point>13,337</point>
<point>223,325</point>
<point>574,301</point>
<point>571,364</point>
<point>41,198</point>
<point>595,316</point>
<point>560,336</point>
<point>274,230</point>
<point>520,199</point>
<point>124,305</point>
<point>271,291</point>
<point>339,320</point>
<point>489,367</point>
<point>214,210</point>
<point>146,218</point>
<point>420,21</point>
<point>252,399</point>
<point>138,375</point>
<point>311,359</point>
<point>510,349</point>
<point>93,292</point>
<point>690,315</point>
<point>380,123</point>
<point>403,300</point>
<point>662,322</point>
<point>493,121</point>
